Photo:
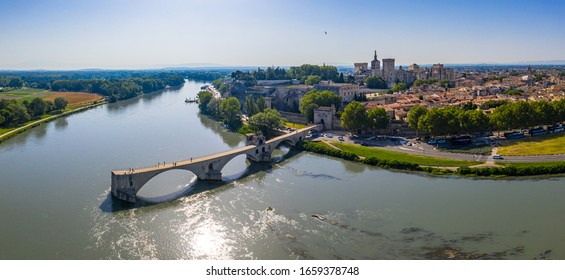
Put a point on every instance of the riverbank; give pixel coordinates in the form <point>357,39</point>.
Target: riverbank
<point>436,166</point>
<point>33,124</point>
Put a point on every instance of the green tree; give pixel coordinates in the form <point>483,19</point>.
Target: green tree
<point>559,108</point>
<point>261,104</point>
<point>414,115</point>
<point>60,103</point>
<point>399,87</point>
<point>444,83</point>
<point>544,113</point>
<point>469,106</point>
<point>354,116</point>
<point>473,121</point>
<point>312,80</point>
<point>493,104</point>
<point>37,107</point>
<point>250,106</point>
<point>268,122</point>
<point>501,118</point>
<point>213,108</point>
<point>377,118</point>
<point>16,83</point>
<point>375,82</point>
<point>313,99</point>
<point>524,115</point>
<point>224,88</point>
<point>230,110</point>
<point>203,98</point>
<point>435,122</point>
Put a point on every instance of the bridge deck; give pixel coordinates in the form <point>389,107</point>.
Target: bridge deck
<point>205,158</point>
<point>183,162</point>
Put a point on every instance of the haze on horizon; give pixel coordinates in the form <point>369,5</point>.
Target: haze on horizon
<point>110,34</point>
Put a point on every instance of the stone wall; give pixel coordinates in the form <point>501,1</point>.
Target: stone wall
<point>293,117</point>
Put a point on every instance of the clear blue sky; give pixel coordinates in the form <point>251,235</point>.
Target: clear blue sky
<point>110,34</point>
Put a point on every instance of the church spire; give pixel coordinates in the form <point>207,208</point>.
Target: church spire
<point>375,54</point>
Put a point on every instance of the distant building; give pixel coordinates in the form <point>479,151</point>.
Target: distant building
<point>347,92</point>
<point>393,76</point>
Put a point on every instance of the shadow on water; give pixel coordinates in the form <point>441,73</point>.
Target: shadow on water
<point>229,138</point>
<point>111,204</point>
<point>61,123</point>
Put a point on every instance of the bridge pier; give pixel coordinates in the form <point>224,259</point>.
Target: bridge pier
<point>212,176</point>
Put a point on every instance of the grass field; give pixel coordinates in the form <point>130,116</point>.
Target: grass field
<point>295,125</point>
<point>23,94</point>
<point>525,164</point>
<point>541,145</point>
<point>391,155</point>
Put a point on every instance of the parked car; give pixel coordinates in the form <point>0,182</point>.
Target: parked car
<point>497,157</point>
<point>329,135</point>
<point>432,141</point>
<point>340,138</point>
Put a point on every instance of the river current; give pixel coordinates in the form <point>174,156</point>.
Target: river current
<point>55,200</point>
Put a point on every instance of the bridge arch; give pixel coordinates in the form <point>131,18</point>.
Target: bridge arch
<point>167,184</point>
<point>235,167</point>
<point>126,183</point>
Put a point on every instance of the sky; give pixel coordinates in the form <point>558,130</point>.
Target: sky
<point>128,34</point>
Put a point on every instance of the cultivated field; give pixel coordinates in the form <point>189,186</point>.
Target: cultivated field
<point>74,98</point>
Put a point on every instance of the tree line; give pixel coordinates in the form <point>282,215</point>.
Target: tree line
<point>119,89</point>
<point>355,117</point>
<point>261,118</point>
<point>44,79</point>
<point>453,120</point>
<point>14,113</point>
<point>301,73</point>
<point>116,85</point>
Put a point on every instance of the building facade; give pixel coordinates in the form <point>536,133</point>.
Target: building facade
<point>391,75</point>
<point>347,92</point>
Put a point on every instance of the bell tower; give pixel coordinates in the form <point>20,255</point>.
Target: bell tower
<point>375,66</point>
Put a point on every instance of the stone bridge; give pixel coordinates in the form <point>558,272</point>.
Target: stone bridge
<point>126,183</point>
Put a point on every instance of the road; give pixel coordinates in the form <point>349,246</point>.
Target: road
<point>419,148</point>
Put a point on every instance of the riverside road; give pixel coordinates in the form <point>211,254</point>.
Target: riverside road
<point>420,148</point>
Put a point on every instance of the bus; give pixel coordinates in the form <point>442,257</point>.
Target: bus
<point>513,135</point>
<point>537,131</point>
<point>462,140</point>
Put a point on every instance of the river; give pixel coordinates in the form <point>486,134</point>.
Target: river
<point>55,201</point>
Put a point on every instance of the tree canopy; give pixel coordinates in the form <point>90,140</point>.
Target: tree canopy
<point>268,122</point>
<point>377,118</point>
<point>230,110</point>
<point>203,98</point>
<point>312,80</point>
<point>375,82</point>
<point>354,116</point>
<point>314,98</point>
<point>14,113</point>
<point>414,115</point>
<point>399,87</point>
